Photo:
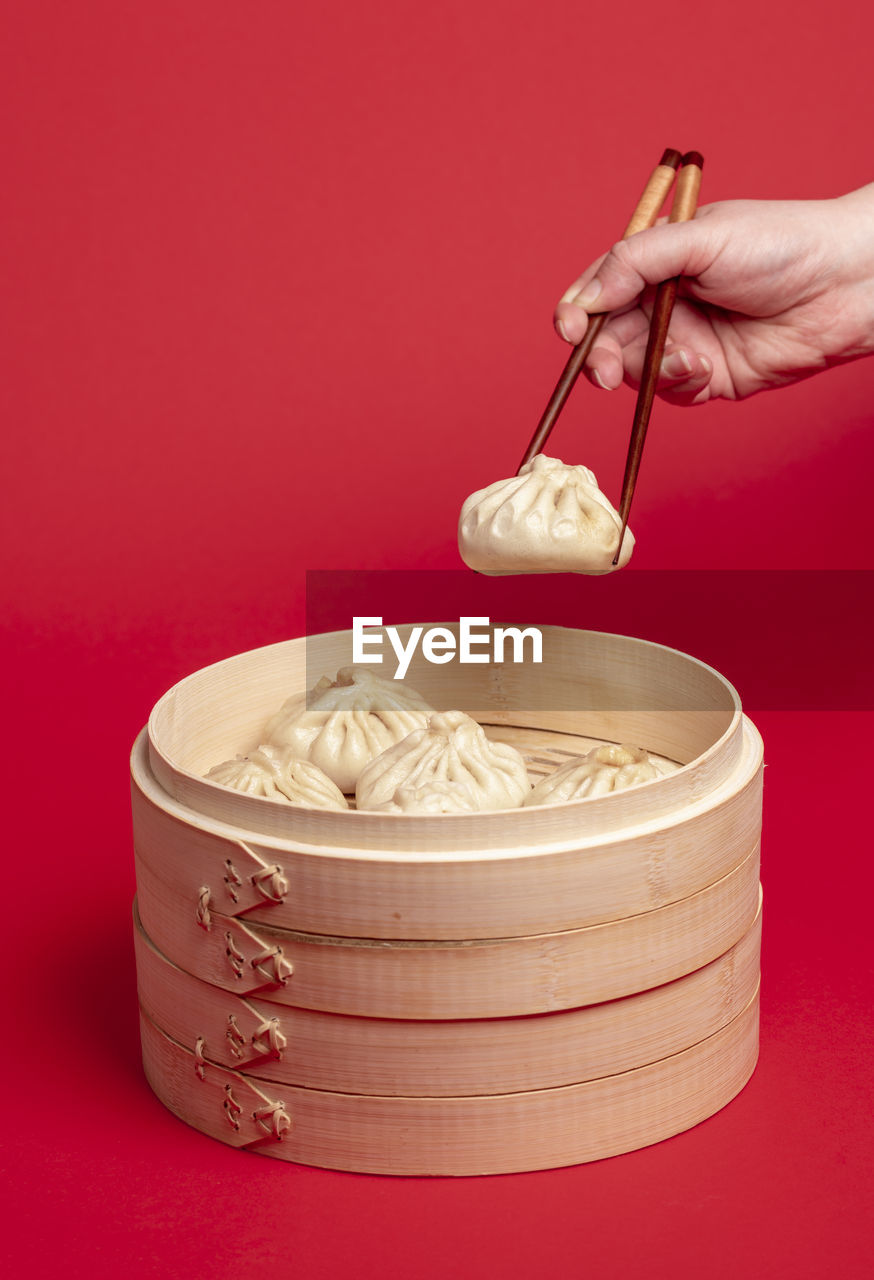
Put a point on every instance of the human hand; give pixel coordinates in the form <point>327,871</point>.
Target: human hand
<point>771,292</point>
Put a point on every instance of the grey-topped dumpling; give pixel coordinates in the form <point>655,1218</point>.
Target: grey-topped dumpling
<point>275,772</point>
<point>550,518</point>
<point>597,773</point>
<point>450,748</point>
<point>343,724</point>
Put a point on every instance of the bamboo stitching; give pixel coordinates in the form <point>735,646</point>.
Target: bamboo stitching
<point>235,957</point>
<point>274,1119</point>
<point>235,1037</point>
<point>273,966</point>
<point>232,1108</point>
<point>201,914</point>
<point>269,1040</point>
<point>271,884</point>
<point>232,880</point>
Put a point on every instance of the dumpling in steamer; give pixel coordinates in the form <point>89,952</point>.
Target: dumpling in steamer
<point>600,771</point>
<point>436,796</point>
<point>342,725</point>
<point>451,748</point>
<point>276,773</point>
<point>550,518</point>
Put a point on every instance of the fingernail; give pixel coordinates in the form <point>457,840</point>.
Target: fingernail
<point>561,329</point>
<point>587,296</point>
<point>677,365</point>
<point>600,381</point>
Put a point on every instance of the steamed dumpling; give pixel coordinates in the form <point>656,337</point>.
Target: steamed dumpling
<point>600,771</point>
<point>550,518</point>
<point>435,796</point>
<point>275,772</point>
<point>342,725</point>
<point>451,748</point>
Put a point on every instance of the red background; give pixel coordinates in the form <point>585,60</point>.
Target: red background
<point>278,286</point>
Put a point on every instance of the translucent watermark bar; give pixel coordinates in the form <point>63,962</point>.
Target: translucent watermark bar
<point>786,639</point>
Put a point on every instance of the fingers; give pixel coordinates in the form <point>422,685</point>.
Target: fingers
<point>616,280</point>
<point>571,321</point>
<point>684,377</point>
<point>605,366</point>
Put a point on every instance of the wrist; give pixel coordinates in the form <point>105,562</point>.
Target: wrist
<point>852,243</point>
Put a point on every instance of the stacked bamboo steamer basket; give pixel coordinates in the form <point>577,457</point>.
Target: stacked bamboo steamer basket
<point>453,994</point>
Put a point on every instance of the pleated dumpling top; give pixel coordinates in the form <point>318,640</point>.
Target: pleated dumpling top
<point>275,772</point>
<point>343,724</point>
<point>450,748</point>
<point>597,773</point>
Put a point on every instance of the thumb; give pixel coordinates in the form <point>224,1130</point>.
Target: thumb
<point>617,279</point>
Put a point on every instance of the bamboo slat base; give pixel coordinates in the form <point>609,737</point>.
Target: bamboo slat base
<point>500,1133</point>
<point>345,1054</point>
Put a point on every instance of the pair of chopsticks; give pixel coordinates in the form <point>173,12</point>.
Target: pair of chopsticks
<point>645,215</point>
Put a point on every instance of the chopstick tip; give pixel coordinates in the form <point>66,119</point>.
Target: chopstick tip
<point>694,157</point>
<point>673,159</point>
<point>622,529</point>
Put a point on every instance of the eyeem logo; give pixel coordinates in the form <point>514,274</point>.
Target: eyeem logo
<point>439,644</point>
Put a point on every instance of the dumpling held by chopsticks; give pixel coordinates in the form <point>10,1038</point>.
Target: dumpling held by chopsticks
<point>550,518</point>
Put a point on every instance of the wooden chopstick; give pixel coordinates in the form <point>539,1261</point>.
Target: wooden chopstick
<point>648,208</point>
<point>682,210</point>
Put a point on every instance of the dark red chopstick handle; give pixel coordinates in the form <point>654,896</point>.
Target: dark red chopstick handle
<point>663,306</point>
<point>682,210</point>
<point>563,388</point>
<point>646,211</point>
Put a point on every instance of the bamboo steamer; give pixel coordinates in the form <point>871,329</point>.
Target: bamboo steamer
<point>388,1056</point>
<point>475,978</point>
<point>495,1133</point>
<point>508,874</point>
<point>562,958</point>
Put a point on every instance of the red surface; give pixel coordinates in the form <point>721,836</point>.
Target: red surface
<point>261,264</point>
